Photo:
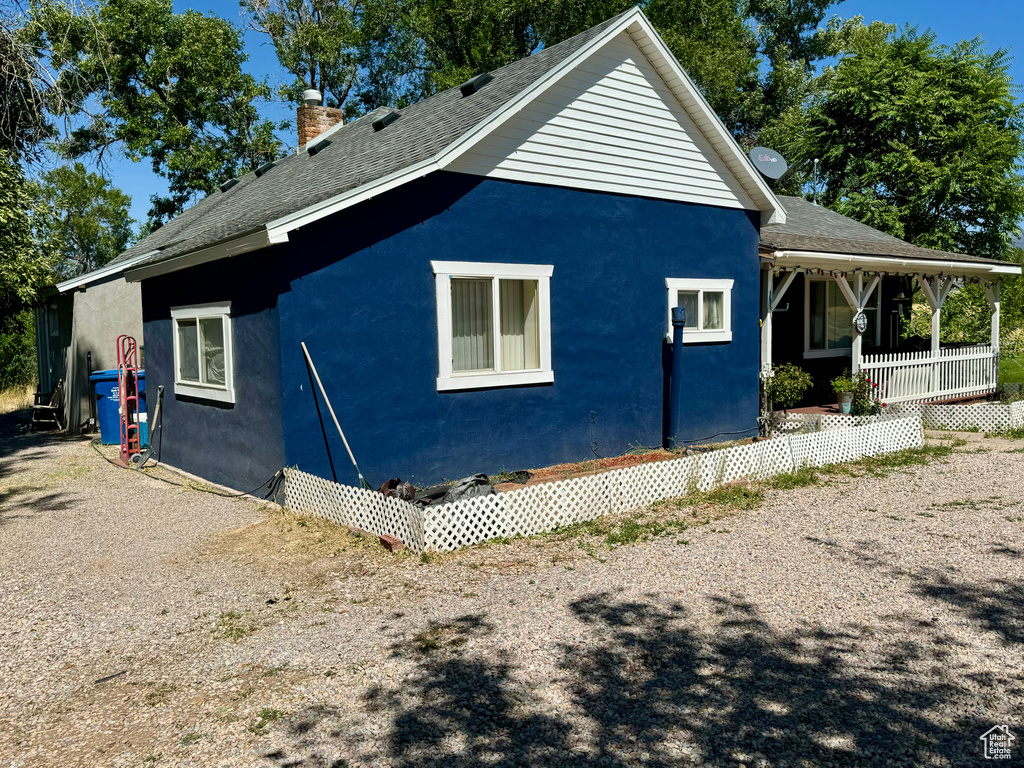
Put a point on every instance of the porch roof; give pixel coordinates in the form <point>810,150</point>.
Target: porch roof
<point>815,237</point>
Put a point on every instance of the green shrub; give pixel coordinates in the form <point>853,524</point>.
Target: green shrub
<point>17,350</point>
<point>787,385</point>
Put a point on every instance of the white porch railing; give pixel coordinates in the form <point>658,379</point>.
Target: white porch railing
<point>907,377</point>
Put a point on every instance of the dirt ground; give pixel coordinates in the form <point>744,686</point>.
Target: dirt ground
<point>860,620</point>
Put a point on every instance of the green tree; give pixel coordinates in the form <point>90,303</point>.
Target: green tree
<point>87,221</point>
<point>171,87</point>
<point>317,41</point>
<point>23,121</point>
<point>921,141</point>
<point>24,268</point>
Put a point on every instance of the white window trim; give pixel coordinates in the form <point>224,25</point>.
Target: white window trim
<point>814,354</point>
<point>699,335</point>
<point>216,392</point>
<point>448,379</point>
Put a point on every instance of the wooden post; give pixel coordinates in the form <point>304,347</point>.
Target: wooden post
<point>858,337</point>
<point>772,299</point>
<point>936,289</point>
<point>992,292</point>
<point>766,323</point>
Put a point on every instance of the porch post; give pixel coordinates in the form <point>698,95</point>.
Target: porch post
<point>992,292</point>
<point>936,289</point>
<point>772,299</point>
<point>858,337</point>
<point>766,324</point>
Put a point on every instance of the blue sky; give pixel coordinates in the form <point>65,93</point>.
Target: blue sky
<point>999,22</point>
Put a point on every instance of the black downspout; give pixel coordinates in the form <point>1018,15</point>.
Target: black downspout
<point>675,408</point>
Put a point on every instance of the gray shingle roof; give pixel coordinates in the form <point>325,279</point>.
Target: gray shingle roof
<point>812,227</point>
<point>357,155</point>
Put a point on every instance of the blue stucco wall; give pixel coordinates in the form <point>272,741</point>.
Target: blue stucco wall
<point>358,289</point>
<point>238,445</point>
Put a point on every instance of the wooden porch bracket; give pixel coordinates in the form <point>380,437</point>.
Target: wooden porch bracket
<point>772,300</point>
<point>936,289</point>
<point>857,297</point>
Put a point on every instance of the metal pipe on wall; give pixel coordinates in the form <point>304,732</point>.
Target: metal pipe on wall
<point>675,407</point>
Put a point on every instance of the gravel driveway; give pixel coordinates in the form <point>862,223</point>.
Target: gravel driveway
<point>860,621</point>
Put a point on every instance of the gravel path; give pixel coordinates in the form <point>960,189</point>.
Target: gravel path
<point>862,621</point>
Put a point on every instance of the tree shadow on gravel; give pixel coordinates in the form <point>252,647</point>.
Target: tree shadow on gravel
<point>647,689</point>
<point>995,606</point>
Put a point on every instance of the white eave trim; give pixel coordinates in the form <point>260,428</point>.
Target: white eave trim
<point>244,244</point>
<point>278,229</point>
<point>823,260</point>
<point>102,273</point>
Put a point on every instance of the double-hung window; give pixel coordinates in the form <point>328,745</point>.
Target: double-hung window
<point>828,325</point>
<point>708,305</point>
<point>493,324</point>
<point>202,352</point>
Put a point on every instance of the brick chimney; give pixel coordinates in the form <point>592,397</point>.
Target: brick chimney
<point>313,119</point>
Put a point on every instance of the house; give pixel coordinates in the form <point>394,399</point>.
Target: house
<point>484,279</point>
<point>77,325</point>
<point>823,270</point>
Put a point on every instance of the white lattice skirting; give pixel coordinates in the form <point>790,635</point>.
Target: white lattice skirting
<point>986,417</point>
<point>538,508</point>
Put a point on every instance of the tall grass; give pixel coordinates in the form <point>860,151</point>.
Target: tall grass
<point>17,398</point>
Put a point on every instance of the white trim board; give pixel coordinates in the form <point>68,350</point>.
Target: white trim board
<point>891,264</point>
<point>236,247</point>
<point>450,380</point>
<point>701,286</point>
<point>108,270</point>
<point>221,393</point>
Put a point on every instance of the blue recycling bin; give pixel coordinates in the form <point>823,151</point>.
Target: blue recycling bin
<point>105,390</point>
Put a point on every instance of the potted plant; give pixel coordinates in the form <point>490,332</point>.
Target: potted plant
<point>844,386</point>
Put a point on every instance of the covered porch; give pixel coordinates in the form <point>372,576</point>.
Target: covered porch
<point>829,312</point>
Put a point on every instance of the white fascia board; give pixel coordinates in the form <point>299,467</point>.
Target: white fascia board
<point>102,273</point>
<point>278,229</point>
<point>251,242</point>
<point>772,211</point>
<point>822,260</point>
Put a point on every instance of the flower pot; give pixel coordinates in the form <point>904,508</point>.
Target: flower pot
<point>845,401</point>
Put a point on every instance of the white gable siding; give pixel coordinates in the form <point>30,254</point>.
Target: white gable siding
<point>610,125</point>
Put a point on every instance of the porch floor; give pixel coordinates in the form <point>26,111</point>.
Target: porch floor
<point>834,408</point>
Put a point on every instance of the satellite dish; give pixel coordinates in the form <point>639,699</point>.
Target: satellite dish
<point>769,162</point>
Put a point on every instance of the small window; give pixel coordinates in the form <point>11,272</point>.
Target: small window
<point>202,351</point>
<point>53,320</point>
<point>708,305</point>
<point>494,326</point>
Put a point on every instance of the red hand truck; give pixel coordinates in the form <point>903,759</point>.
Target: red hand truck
<point>128,396</point>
